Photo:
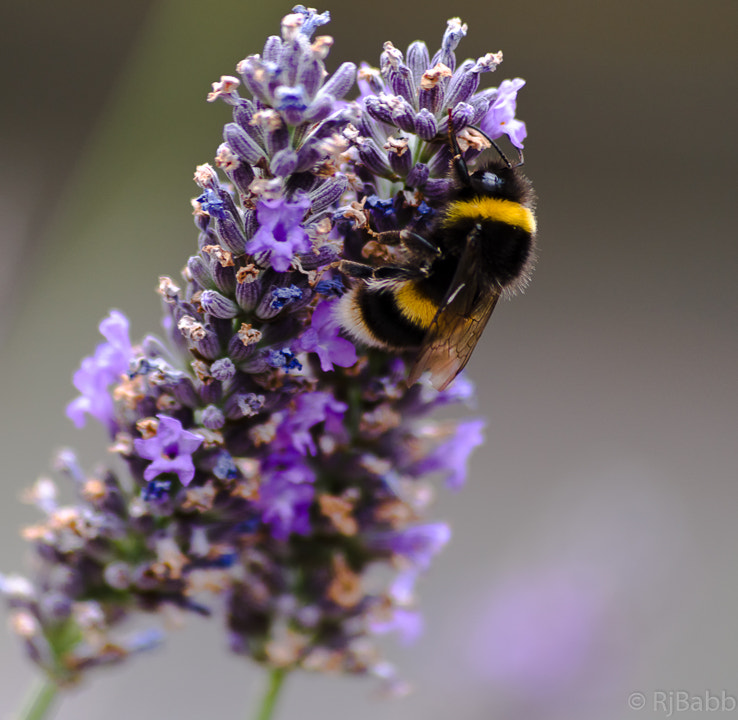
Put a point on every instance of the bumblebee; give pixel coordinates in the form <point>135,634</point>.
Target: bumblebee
<point>438,299</point>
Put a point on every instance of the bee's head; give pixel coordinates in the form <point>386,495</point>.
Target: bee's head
<point>487,181</point>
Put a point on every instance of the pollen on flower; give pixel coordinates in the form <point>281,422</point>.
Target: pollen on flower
<point>434,75</point>
<point>191,328</point>
<point>248,335</point>
<point>226,87</point>
<point>339,509</point>
<point>167,289</point>
<point>345,589</point>
<point>226,159</point>
<point>200,499</point>
<point>147,427</point>
<point>224,257</point>
<point>322,46</point>
<point>398,146</point>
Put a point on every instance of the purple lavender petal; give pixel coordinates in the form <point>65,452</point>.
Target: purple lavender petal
<point>280,233</point>
<point>170,450</point>
<point>98,372</point>
<point>500,118</point>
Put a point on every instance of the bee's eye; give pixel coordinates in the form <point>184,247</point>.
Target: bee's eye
<point>489,181</point>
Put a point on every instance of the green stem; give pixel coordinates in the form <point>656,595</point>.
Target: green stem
<point>39,700</point>
<point>276,678</point>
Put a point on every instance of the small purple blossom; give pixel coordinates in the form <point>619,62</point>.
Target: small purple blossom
<point>500,119</point>
<point>170,450</point>
<point>418,544</point>
<point>286,494</point>
<point>310,409</point>
<point>98,372</point>
<point>280,232</point>
<point>408,624</point>
<point>323,337</point>
<point>452,456</point>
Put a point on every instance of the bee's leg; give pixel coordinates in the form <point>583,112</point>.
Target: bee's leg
<point>385,272</point>
<point>418,242</point>
<point>355,270</point>
<point>388,237</point>
<point>411,240</point>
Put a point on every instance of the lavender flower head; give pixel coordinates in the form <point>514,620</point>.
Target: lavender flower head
<point>271,462</point>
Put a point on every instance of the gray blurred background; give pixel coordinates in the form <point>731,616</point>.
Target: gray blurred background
<point>594,549</point>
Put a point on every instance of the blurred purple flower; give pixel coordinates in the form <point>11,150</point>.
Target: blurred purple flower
<point>408,624</point>
<point>285,495</point>
<point>451,457</point>
<point>540,633</point>
<point>323,337</point>
<point>97,372</point>
<point>310,409</point>
<point>417,544</point>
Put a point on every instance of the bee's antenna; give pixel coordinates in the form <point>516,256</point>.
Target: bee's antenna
<point>461,163</point>
<point>499,151</point>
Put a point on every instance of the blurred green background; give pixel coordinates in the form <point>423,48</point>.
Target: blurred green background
<point>594,546</point>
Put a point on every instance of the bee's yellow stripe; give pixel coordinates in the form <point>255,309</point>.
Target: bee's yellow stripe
<point>419,309</point>
<point>494,209</point>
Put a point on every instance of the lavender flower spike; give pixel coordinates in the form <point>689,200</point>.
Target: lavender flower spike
<point>271,463</point>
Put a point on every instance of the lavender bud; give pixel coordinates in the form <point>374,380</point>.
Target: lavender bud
<point>341,81</point>
<point>418,176</point>
<point>223,370</point>
<point>241,176</point>
<point>310,76</point>
<point>238,352</point>
<point>272,49</point>
<point>208,345</point>
<point>432,99</point>
<point>217,305</point>
<point>200,272</point>
<point>481,107</point>
<point>401,83</point>
<point>327,194</point>
<point>184,393</point>
<point>463,85</point>
<point>224,276</point>
<point>400,158</point>
<point>418,60</point>
<point>308,155</point>
<point>284,163</point>
<point>248,290</point>
<point>241,144</point>
<point>425,125</point>
<point>243,114</point>
<point>374,160</point>
<point>325,255</point>
<point>379,109</point>
<point>212,417</point>
<point>320,108</point>
<point>461,116</point>
<point>404,115</point>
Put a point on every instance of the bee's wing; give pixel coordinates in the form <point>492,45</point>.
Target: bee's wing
<point>459,322</point>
